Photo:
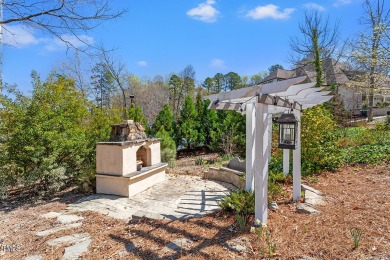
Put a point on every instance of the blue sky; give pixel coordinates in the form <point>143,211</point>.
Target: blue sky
<point>158,37</point>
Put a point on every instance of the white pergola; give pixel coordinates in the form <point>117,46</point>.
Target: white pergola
<point>258,104</point>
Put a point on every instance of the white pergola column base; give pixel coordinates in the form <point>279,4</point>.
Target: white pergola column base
<point>261,164</point>
<point>250,146</point>
<point>297,160</point>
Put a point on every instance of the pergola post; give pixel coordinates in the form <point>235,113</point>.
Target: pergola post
<point>286,162</point>
<point>297,160</point>
<point>250,146</point>
<point>261,164</point>
<point>270,136</point>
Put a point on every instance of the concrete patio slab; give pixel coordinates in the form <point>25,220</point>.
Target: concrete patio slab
<point>178,197</point>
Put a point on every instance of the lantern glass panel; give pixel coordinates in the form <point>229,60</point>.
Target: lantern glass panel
<point>288,134</point>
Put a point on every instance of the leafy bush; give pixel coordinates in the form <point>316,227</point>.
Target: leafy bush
<point>168,146</point>
<point>367,154</point>
<point>357,136</point>
<point>228,134</point>
<point>45,139</point>
<point>240,203</point>
<point>319,141</point>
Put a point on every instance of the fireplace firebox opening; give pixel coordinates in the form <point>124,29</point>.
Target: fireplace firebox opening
<point>144,156</point>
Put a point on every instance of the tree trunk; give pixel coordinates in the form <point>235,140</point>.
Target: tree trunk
<point>317,58</point>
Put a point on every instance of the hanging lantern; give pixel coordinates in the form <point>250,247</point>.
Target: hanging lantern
<point>287,131</point>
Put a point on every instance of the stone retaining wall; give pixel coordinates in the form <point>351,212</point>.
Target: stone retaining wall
<point>226,175</point>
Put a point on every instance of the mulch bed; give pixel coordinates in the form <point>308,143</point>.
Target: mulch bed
<point>357,198</point>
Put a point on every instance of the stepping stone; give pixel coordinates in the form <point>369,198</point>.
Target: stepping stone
<point>75,238</point>
<point>306,209</point>
<point>75,251</point>
<point>57,229</point>
<point>51,215</point>
<point>67,219</point>
<point>33,257</point>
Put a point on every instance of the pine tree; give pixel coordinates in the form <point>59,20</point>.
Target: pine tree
<point>187,127</point>
<point>135,113</point>
<point>164,120</point>
<point>168,146</point>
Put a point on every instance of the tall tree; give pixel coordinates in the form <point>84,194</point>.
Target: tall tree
<point>219,82</point>
<point>67,20</point>
<point>370,53</point>
<point>75,67</point>
<point>117,71</point>
<point>207,120</point>
<point>257,78</point>
<point>209,84</point>
<point>151,95</point>
<point>102,83</point>
<point>318,39</point>
<point>164,120</point>
<point>232,81</point>
<point>187,126</point>
<point>181,85</point>
<point>175,93</point>
<point>274,67</point>
<point>135,113</point>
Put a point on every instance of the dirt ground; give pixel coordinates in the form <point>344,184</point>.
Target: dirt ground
<point>186,165</point>
<point>356,198</point>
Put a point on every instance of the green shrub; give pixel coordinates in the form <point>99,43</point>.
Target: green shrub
<point>241,203</point>
<point>367,154</point>
<point>199,161</point>
<point>274,185</point>
<point>44,135</point>
<point>168,146</point>
<point>319,141</point>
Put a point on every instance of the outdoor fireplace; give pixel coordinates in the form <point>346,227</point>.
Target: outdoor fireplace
<point>130,162</point>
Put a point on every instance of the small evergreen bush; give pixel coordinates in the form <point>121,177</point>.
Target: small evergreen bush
<point>168,146</point>
<point>241,202</point>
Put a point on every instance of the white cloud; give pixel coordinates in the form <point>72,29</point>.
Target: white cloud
<point>269,11</point>
<point>78,41</point>
<point>314,6</point>
<point>217,64</point>
<point>142,63</point>
<point>204,12</point>
<point>342,2</point>
<point>18,36</point>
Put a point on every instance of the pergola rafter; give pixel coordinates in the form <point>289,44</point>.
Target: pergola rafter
<point>258,104</point>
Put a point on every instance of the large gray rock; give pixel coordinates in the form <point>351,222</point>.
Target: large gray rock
<point>306,209</point>
<point>313,198</point>
<point>237,164</point>
<point>308,188</point>
<point>75,251</point>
